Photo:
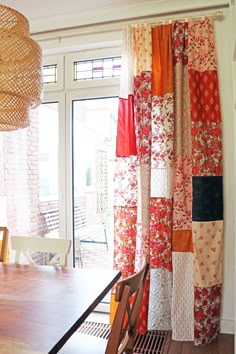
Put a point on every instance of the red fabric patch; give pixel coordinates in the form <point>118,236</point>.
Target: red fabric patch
<point>160,233</point>
<point>206,123</point>
<point>182,194</point>
<point>126,139</point>
<point>180,43</point>
<point>204,95</point>
<point>206,314</point>
<point>207,149</point>
<point>143,113</point>
<point>125,231</point>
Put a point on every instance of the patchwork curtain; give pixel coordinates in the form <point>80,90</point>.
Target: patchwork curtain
<point>168,176</point>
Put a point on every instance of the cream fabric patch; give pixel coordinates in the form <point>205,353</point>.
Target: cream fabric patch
<point>159,310</point>
<point>208,253</point>
<point>183,297</point>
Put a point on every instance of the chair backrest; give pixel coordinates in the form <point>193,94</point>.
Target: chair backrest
<point>4,245</point>
<point>28,245</point>
<point>129,294</point>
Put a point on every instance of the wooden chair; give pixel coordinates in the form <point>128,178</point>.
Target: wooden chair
<point>123,330</point>
<point>4,244</point>
<point>27,245</point>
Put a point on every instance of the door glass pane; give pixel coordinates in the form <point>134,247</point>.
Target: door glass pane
<point>48,169</point>
<point>94,135</point>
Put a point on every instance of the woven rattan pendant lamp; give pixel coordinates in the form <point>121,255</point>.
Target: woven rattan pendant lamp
<point>20,70</point>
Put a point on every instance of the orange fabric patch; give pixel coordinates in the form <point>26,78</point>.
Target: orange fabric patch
<point>182,241</point>
<point>113,308</point>
<point>162,62</point>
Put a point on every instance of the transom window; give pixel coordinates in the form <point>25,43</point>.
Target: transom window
<point>97,69</point>
<point>50,74</point>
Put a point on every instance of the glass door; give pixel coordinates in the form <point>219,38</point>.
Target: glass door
<point>94,124</point>
<point>48,167</point>
<point>51,166</point>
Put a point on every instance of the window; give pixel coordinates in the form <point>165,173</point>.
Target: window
<point>97,69</point>
<point>49,74</point>
<point>53,73</point>
<point>93,68</point>
<point>48,150</point>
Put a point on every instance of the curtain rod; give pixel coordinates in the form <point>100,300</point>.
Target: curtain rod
<point>101,27</point>
<point>218,15</point>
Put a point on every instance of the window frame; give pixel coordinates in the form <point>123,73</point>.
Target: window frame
<point>57,60</point>
<point>60,98</point>
<point>74,90</point>
<point>70,83</point>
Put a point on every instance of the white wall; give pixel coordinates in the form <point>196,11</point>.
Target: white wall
<point>233,55</point>
<point>224,55</point>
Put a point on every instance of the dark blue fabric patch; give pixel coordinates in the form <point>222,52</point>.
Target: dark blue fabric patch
<point>207,198</point>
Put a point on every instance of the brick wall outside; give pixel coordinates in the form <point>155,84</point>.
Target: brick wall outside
<point>20,207</point>
<point>19,178</point>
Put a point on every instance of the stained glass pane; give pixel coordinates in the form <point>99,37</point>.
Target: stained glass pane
<point>50,74</point>
<point>97,69</point>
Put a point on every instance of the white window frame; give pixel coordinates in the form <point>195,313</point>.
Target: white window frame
<point>74,90</point>
<point>80,94</point>
<point>62,192</point>
<point>57,60</point>
<point>89,55</point>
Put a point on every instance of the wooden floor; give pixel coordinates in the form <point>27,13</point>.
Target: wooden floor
<point>224,344</point>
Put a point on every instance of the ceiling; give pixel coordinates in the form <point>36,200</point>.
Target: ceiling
<point>35,10</point>
<point>47,15</point>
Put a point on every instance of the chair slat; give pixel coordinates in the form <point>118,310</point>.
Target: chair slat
<point>27,245</point>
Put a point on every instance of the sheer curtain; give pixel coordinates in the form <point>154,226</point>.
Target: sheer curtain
<point>168,177</point>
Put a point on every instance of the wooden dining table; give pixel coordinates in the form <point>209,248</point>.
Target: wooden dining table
<point>42,306</point>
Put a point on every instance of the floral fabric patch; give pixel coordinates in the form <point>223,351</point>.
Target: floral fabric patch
<point>125,181</point>
<point>180,42</point>
<point>208,253</point>
<point>201,45</point>
<point>142,114</point>
<point>207,149</point>
<point>125,230</point>
<point>182,196</point>
<point>142,36</point>
<point>206,123</point>
<point>206,314</point>
<point>183,123</point>
<point>162,131</point>
<point>160,233</point>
